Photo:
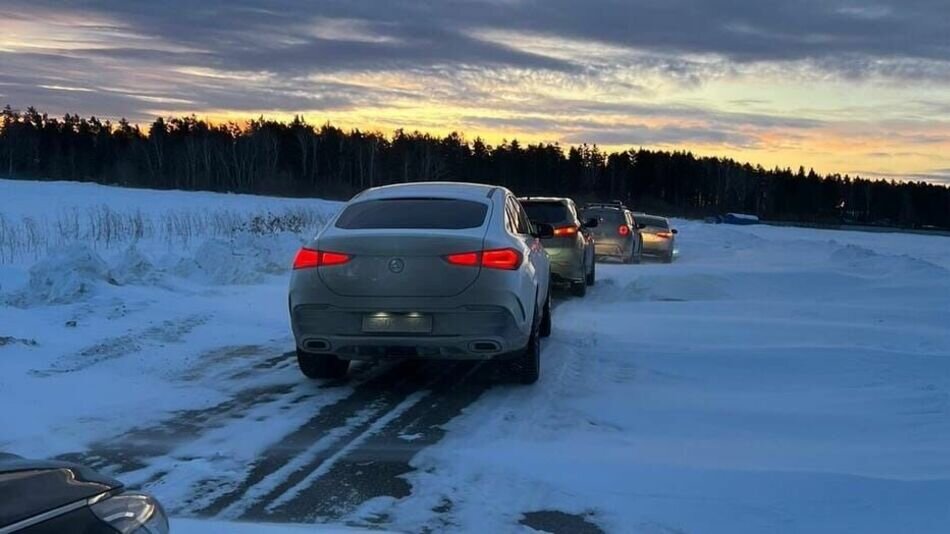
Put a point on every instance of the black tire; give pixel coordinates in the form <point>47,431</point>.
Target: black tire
<point>528,363</point>
<point>592,275</point>
<point>321,365</point>
<point>545,329</point>
<point>668,258</point>
<point>579,289</point>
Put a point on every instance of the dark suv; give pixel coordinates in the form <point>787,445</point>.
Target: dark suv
<point>571,249</point>
<point>616,235</point>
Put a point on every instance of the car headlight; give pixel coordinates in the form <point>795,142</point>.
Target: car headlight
<point>132,513</point>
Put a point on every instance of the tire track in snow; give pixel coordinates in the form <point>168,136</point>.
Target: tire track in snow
<point>289,460</point>
<point>372,465</point>
<point>137,448</point>
<point>169,331</point>
<point>141,446</point>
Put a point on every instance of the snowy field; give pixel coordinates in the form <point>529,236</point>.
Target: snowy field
<point>770,380</point>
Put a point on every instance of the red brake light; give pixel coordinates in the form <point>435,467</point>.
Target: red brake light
<point>308,258</point>
<point>623,230</point>
<point>333,258</point>
<point>665,235</point>
<point>564,231</point>
<point>502,258</point>
<point>469,259</point>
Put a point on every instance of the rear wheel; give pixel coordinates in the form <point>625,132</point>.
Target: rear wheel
<point>668,258</point>
<point>592,275</point>
<point>528,363</point>
<point>545,329</point>
<point>579,289</point>
<point>321,365</point>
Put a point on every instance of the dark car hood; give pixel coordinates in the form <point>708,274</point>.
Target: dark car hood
<point>30,487</point>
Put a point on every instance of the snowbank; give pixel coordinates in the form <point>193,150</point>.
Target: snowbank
<point>67,275</point>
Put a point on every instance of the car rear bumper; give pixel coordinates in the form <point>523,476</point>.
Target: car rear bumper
<point>490,311</point>
<point>567,264</point>
<point>467,332</point>
<point>612,247</point>
<point>657,246</point>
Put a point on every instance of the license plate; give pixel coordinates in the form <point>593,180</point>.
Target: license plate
<point>393,323</point>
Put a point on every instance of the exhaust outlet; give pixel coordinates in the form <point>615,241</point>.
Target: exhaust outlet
<point>317,345</point>
<point>485,346</point>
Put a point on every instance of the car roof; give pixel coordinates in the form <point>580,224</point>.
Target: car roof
<point>544,199</point>
<point>605,207</point>
<point>464,190</point>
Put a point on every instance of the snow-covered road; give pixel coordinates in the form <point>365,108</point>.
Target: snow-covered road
<point>770,380</point>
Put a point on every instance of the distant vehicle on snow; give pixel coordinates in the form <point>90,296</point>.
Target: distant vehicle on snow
<point>616,235</point>
<point>740,218</point>
<point>659,240</point>
<point>424,270</point>
<point>571,248</point>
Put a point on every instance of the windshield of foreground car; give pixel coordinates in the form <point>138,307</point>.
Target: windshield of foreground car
<point>413,213</point>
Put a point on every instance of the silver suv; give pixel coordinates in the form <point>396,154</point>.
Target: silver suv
<point>423,270</point>
<point>571,249</point>
<point>616,235</point>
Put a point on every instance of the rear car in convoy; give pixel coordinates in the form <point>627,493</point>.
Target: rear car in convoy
<point>571,248</point>
<point>48,497</point>
<point>659,240</point>
<point>423,270</point>
<point>616,235</point>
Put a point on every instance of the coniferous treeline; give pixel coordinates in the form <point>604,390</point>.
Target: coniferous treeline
<point>298,159</point>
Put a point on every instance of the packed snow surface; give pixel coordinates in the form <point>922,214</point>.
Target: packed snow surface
<point>769,380</point>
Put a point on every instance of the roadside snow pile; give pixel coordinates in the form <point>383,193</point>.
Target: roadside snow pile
<point>247,258</point>
<point>864,261</point>
<point>66,275</point>
<point>133,267</point>
<point>74,272</point>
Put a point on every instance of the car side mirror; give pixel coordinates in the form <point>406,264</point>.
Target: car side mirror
<point>591,223</point>
<point>641,226</point>
<point>675,231</point>
<point>543,231</point>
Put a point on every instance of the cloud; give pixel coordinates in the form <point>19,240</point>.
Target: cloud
<point>743,75</point>
<point>662,136</point>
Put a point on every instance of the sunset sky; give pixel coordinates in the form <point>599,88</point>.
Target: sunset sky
<point>842,86</point>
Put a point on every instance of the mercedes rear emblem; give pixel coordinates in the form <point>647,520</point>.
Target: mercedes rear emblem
<point>396,265</point>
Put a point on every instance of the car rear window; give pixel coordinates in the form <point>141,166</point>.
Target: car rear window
<point>655,222</point>
<point>546,212</point>
<point>604,215</point>
<point>413,213</point>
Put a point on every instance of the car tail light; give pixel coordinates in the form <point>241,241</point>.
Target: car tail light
<point>308,258</point>
<point>468,259</point>
<point>623,230</point>
<point>564,231</point>
<point>664,235</point>
<point>333,258</point>
<point>502,258</point>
